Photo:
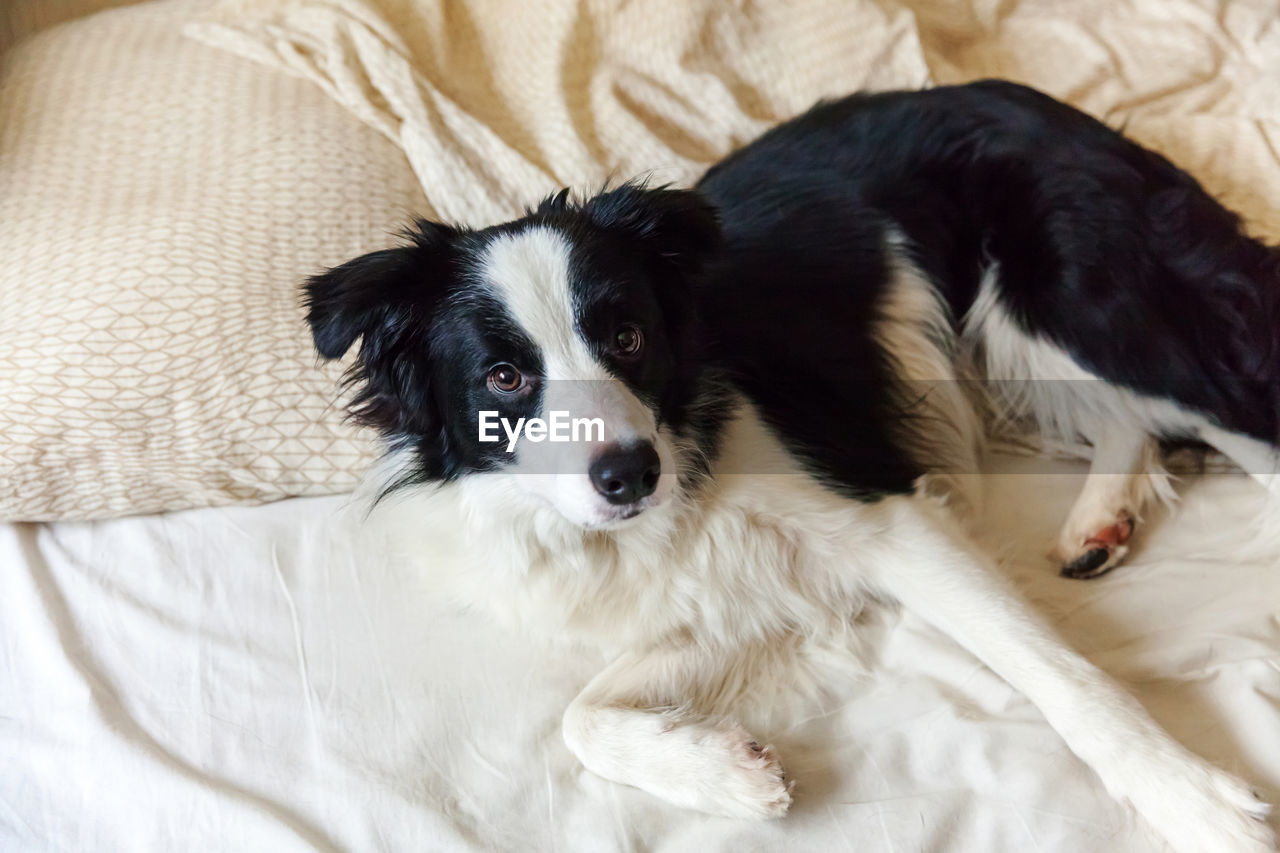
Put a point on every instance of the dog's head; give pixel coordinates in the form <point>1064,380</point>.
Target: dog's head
<point>558,351</point>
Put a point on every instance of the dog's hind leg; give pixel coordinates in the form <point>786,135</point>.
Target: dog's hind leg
<point>1258,459</point>
<point>1261,461</point>
<point>926,562</point>
<point>935,420</point>
<point>1125,477</point>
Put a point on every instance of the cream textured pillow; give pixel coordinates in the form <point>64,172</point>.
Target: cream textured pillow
<point>160,200</point>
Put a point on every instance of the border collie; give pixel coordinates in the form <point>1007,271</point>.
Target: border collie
<point>775,360</point>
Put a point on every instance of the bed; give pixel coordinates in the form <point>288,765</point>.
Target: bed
<point>245,672</point>
<point>245,679</point>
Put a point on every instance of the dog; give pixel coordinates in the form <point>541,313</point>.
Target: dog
<point>771,375</point>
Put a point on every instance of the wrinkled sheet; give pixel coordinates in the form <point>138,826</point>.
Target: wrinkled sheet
<point>496,103</point>
<point>253,679</point>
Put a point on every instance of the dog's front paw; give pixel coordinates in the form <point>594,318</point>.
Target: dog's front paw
<point>733,775</point>
<point>1200,809</point>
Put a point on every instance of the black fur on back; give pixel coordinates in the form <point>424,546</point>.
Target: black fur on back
<point>1104,247</point>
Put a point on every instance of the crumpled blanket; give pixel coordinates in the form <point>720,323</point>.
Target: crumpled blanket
<point>497,103</point>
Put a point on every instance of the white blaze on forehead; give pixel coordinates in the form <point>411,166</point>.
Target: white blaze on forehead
<point>529,272</point>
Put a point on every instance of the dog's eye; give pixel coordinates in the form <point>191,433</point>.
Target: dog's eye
<point>628,341</point>
<point>505,379</point>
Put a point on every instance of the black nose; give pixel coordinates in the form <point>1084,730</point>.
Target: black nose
<point>624,475</point>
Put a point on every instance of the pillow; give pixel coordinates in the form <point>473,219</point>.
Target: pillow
<point>21,18</point>
<point>160,202</point>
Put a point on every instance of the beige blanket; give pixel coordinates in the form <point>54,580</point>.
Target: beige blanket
<point>497,102</point>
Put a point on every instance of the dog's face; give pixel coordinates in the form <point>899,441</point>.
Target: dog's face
<point>557,351</point>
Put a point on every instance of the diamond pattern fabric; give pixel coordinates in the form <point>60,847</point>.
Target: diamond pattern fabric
<point>160,201</point>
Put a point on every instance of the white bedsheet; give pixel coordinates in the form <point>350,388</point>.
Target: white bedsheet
<point>245,679</point>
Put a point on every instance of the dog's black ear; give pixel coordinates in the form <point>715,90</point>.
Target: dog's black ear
<point>379,292</point>
<point>680,226</point>
<point>387,300</point>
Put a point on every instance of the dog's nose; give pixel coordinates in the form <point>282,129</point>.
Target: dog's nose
<point>624,475</point>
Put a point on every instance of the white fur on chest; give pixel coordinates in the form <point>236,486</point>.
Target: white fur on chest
<point>748,556</point>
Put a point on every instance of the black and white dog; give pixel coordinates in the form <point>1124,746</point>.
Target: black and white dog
<point>768,369</point>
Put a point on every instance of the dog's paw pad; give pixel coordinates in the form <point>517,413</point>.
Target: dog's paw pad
<point>1099,552</point>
